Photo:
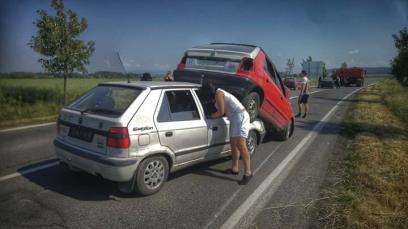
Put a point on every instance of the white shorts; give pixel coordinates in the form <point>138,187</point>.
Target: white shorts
<point>239,124</point>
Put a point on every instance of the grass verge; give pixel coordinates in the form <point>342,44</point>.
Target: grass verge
<point>371,188</point>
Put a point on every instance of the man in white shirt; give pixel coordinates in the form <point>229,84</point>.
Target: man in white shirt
<point>304,95</point>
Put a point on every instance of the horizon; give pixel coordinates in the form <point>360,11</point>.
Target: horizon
<point>152,37</point>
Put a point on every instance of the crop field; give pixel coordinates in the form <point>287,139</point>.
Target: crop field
<point>27,101</point>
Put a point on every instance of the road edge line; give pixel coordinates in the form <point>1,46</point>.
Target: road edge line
<point>28,171</point>
<point>237,219</point>
<point>26,127</point>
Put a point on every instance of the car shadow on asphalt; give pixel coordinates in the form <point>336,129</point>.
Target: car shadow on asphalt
<point>87,187</point>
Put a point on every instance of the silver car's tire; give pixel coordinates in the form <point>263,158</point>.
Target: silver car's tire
<point>151,175</point>
<point>252,142</point>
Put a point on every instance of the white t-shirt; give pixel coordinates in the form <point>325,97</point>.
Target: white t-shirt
<point>231,104</point>
<point>305,87</point>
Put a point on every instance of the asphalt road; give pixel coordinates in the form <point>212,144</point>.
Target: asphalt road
<point>197,197</point>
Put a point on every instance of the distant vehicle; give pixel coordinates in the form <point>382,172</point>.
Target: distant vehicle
<point>350,76</point>
<point>299,84</point>
<point>325,83</point>
<point>246,72</point>
<point>136,133</point>
<point>290,82</point>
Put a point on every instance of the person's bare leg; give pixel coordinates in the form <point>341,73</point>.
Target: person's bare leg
<point>299,107</point>
<point>235,155</point>
<point>306,108</point>
<point>245,155</point>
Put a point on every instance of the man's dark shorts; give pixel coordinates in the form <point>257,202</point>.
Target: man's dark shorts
<point>304,99</point>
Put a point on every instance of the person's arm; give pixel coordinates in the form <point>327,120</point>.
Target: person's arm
<point>302,91</point>
<point>219,99</point>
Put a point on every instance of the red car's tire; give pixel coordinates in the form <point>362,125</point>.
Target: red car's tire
<point>286,132</point>
<point>252,103</point>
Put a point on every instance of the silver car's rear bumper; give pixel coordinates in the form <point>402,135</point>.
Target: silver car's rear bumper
<point>115,169</point>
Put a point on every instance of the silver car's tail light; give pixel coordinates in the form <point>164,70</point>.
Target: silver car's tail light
<point>118,137</point>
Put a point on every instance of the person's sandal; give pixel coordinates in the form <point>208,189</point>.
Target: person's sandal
<point>230,171</point>
<point>245,180</point>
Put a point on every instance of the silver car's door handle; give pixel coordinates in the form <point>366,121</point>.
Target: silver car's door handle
<point>168,134</point>
<point>214,128</point>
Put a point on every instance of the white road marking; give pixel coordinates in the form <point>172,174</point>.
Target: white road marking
<point>294,97</point>
<point>27,171</point>
<point>27,127</point>
<point>232,197</point>
<point>235,220</point>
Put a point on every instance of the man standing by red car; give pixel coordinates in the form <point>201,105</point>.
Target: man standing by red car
<point>304,96</point>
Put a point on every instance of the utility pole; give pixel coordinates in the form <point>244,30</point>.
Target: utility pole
<point>123,67</point>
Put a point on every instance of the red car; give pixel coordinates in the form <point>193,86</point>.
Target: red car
<point>246,72</point>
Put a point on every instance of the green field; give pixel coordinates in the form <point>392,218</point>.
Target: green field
<point>27,101</point>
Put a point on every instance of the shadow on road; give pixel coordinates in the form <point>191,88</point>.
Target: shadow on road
<point>84,186</point>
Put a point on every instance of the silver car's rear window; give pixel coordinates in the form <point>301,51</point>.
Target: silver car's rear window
<point>106,100</point>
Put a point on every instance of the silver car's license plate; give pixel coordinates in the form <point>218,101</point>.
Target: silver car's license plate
<point>82,133</point>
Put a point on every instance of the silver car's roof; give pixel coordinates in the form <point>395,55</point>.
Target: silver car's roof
<point>153,84</point>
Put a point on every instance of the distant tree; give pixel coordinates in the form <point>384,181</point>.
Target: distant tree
<point>58,43</point>
<point>400,62</point>
<point>290,65</point>
<point>343,65</point>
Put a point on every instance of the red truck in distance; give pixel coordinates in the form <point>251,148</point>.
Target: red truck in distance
<point>350,76</point>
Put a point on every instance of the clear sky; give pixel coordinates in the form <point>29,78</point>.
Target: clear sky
<point>152,35</point>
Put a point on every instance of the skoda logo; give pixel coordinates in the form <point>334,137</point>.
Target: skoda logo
<point>80,120</point>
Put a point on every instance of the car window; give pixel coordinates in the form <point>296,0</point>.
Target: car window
<point>212,64</point>
<point>206,102</point>
<point>106,100</point>
<point>178,106</point>
<point>281,84</point>
<point>164,113</point>
<point>270,71</point>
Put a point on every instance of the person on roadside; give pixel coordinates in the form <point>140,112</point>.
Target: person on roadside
<point>227,104</point>
<point>169,76</point>
<point>337,82</point>
<point>146,77</point>
<point>303,98</point>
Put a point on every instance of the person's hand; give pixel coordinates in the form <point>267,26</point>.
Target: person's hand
<point>214,115</point>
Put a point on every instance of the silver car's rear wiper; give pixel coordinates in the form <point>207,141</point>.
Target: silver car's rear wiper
<point>100,110</point>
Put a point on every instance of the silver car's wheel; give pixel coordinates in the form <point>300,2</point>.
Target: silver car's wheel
<point>154,174</point>
<point>151,175</point>
<point>252,142</point>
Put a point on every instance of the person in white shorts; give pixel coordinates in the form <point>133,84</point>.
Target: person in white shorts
<point>227,104</point>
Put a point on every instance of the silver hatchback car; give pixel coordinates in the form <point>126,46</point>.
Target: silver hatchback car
<point>136,133</point>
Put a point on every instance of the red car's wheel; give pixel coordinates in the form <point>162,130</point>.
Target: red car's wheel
<point>251,104</point>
